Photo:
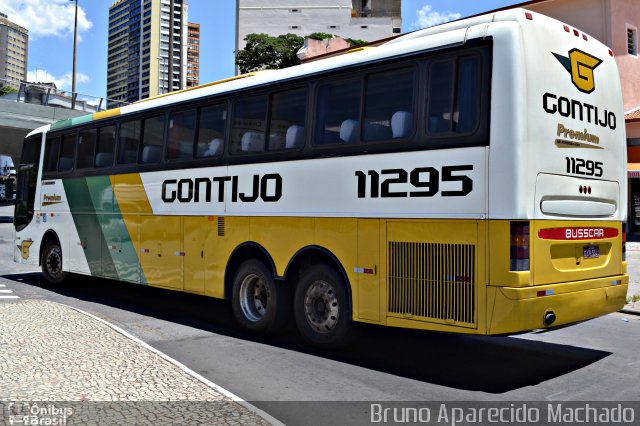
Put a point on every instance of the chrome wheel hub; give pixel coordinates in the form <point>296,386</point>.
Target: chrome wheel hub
<point>321,307</point>
<point>254,298</point>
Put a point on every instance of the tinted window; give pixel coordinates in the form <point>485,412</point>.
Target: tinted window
<point>389,105</point>
<point>466,109</point>
<point>67,152</point>
<point>128,141</point>
<point>453,95</point>
<point>152,139</point>
<point>338,112</point>
<point>287,122</point>
<point>440,96</point>
<point>211,131</point>
<point>106,143</point>
<point>86,148</point>
<point>249,123</point>
<point>51,153</point>
<point>182,129</point>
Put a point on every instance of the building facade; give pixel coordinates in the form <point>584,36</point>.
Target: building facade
<point>14,43</point>
<point>614,23</point>
<point>357,19</point>
<point>193,54</point>
<point>147,53</point>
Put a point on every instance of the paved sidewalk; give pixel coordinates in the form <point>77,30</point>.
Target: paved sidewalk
<point>633,269</point>
<point>80,367</point>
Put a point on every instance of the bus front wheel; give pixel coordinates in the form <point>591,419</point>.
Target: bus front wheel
<point>52,263</point>
<point>321,308</point>
<point>259,304</point>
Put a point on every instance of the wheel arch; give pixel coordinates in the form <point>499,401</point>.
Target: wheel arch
<point>311,255</point>
<point>48,236</point>
<point>244,251</point>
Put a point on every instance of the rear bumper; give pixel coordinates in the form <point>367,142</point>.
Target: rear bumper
<point>513,310</point>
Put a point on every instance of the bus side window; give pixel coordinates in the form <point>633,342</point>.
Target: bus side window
<point>106,143</point>
<point>466,110</point>
<point>211,131</point>
<point>440,96</point>
<point>287,121</point>
<point>51,153</point>
<point>389,105</point>
<point>182,129</point>
<point>67,152</point>
<point>249,124</point>
<point>453,95</point>
<point>128,141</point>
<point>152,137</point>
<point>86,148</point>
<point>338,112</point>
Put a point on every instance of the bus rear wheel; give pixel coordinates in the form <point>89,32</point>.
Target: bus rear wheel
<point>51,262</point>
<point>260,306</point>
<point>321,308</point>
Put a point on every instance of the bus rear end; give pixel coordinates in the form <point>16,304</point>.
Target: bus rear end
<point>565,257</point>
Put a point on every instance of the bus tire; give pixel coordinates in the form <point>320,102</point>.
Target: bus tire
<point>51,262</point>
<point>260,305</point>
<point>321,308</point>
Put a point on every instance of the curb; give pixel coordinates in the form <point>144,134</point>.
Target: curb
<point>630,312</point>
<point>183,367</point>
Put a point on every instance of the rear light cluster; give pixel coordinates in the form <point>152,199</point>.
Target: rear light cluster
<point>519,260</point>
<point>624,244</point>
<point>585,189</point>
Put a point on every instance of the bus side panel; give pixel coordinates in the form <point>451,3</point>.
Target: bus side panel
<point>436,274</point>
<point>370,269</point>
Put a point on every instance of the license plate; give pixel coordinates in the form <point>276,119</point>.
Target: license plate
<point>591,252</point>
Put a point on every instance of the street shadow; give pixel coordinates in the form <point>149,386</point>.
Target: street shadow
<point>474,363</point>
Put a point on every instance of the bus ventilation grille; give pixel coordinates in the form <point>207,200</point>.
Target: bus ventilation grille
<point>220,226</point>
<point>435,282</point>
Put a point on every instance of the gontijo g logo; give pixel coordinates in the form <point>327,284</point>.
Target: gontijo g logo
<point>580,65</point>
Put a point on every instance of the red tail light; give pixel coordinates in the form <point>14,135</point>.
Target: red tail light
<point>624,244</point>
<point>519,246</point>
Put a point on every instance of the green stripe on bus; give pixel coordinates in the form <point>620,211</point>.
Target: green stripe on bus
<point>118,242</point>
<point>88,227</point>
<point>82,119</point>
<point>61,124</point>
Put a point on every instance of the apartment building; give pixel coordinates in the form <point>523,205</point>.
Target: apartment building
<point>147,52</point>
<point>193,54</point>
<point>14,43</point>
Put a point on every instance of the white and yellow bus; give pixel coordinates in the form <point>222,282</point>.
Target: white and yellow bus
<point>466,178</point>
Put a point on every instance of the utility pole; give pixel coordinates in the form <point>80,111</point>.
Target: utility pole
<point>73,73</point>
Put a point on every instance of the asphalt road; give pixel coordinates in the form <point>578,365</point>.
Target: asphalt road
<point>595,360</point>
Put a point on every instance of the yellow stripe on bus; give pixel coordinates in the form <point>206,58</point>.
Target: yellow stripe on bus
<point>106,114</point>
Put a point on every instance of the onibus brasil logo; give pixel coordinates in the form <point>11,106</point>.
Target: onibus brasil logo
<point>580,65</point>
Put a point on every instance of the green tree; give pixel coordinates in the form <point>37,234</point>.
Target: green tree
<point>320,36</point>
<point>355,42</point>
<point>7,89</point>
<point>266,52</point>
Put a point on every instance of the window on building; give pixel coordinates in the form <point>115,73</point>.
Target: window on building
<point>632,41</point>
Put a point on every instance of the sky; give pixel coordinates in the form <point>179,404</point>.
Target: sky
<point>50,25</point>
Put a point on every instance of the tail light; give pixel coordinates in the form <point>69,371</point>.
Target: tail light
<point>519,246</point>
<point>624,244</point>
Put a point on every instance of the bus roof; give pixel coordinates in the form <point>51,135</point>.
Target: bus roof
<point>404,44</point>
